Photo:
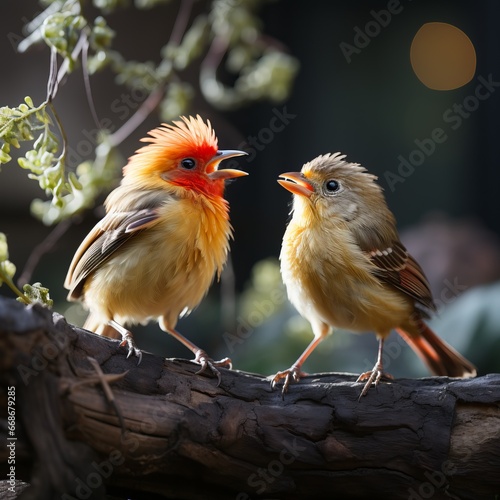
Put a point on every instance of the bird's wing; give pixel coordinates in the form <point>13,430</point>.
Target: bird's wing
<point>105,238</point>
<point>395,266</point>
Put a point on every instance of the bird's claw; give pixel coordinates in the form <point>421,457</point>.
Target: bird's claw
<point>293,373</point>
<point>372,377</point>
<point>128,341</point>
<point>208,363</point>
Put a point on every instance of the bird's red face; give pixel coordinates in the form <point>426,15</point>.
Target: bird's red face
<point>203,175</point>
<point>184,155</point>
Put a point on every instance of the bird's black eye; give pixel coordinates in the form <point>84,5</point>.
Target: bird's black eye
<point>188,163</point>
<point>332,186</point>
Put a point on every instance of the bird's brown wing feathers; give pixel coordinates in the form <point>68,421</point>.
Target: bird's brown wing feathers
<point>104,239</point>
<point>395,266</point>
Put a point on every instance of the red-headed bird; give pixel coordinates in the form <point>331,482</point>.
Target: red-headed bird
<point>164,236</point>
<point>344,267</point>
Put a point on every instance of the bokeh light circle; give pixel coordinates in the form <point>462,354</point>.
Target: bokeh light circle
<point>442,56</point>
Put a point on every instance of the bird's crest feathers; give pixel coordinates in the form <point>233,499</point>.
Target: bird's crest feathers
<point>188,137</point>
<point>334,165</point>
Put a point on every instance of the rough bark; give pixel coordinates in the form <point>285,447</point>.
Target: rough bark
<point>157,430</point>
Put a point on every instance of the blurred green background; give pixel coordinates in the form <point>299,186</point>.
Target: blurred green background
<point>372,108</point>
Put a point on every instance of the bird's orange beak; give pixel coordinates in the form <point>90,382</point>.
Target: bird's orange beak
<point>296,183</point>
<point>228,173</point>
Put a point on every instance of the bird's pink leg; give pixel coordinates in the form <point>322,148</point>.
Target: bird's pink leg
<point>294,372</point>
<point>127,340</point>
<point>201,357</point>
<point>373,376</point>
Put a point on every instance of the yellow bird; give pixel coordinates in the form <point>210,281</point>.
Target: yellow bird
<point>344,266</point>
<point>164,236</point>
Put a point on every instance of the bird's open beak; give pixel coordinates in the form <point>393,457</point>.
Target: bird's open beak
<point>228,173</point>
<point>296,183</point>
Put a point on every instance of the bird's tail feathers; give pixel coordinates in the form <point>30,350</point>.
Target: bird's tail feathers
<point>440,357</point>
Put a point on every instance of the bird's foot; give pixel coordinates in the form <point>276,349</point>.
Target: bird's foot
<point>201,357</point>
<point>128,340</point>
<point>372,377</point>
<point>293,373</point>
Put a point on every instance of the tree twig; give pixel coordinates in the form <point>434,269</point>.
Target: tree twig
<point>86,82</point>
<point>138,117</point>
<point>41,249</point>
<point>155,97</point>
<point>181,22</point>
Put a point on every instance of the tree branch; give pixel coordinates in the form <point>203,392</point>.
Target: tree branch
<point>157,430</point>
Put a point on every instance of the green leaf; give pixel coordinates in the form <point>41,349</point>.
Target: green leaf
<point>101,35</point>
<point>62,30</point>
<point>37,293</point>
<point>4,157</point>
<point>4,248</point>
<point>8,269</point>
<point>176,101</point>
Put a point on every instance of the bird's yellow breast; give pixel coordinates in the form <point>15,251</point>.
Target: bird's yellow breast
<point>330,281</point>
<point>166,269</point>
